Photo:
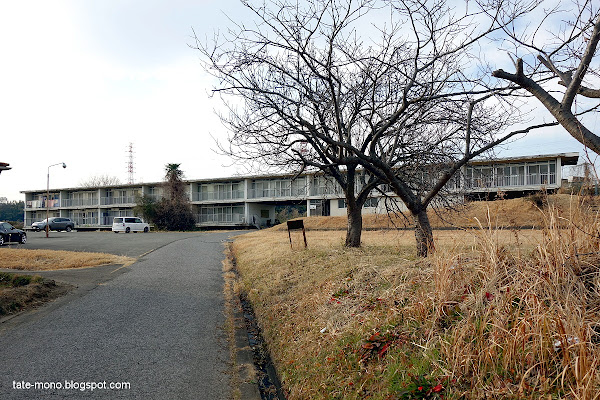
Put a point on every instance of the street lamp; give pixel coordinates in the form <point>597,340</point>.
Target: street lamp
<point>48,197</point>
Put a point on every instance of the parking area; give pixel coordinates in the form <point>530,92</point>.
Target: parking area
<point>133,245</point>
<point>123,244</point>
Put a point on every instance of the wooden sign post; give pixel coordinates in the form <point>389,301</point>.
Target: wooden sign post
<point>296,225</point>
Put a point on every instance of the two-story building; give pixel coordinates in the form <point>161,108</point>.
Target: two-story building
<point>246,201</point>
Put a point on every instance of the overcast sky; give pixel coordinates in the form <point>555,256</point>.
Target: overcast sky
<point>81,79</point>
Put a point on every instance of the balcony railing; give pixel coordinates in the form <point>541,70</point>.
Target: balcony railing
<point>541,179</point>
<point>273,193</point>
<point>325,190</point>
<point>85,221</point>
<point>42,204</point>
<point>511,181</point>
<point>108,219</point>
<point>29,221</point>
<point>80,202</point>
<point>220,219</point>
<point>105,201</point>
<point>218,195</point>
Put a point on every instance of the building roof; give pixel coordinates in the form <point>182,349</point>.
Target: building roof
<point>566,159</point>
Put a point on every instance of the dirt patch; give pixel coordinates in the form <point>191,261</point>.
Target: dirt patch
<point>23,292</point>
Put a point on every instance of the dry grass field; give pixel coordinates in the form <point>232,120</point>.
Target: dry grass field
<point>44,260</point>
<point>495,313</point>
<point>508,213</point>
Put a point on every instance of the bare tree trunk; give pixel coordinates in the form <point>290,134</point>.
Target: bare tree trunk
<point>354,231</point>
<point>423,233</point>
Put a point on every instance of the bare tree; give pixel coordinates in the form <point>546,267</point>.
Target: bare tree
<point>425,127</point>
<point>569,54</point>
<point>99,181</point>
<point>297,72</point>
<point>369,92</point>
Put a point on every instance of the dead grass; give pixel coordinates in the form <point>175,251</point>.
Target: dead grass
<point>44,260</point>
<point>23,292</point>
<point>507,213</point>
<point>494,314</point>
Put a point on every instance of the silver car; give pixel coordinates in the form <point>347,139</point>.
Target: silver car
<point>56,224</point>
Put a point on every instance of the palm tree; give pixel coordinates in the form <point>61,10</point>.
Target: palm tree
<point>175,188</point>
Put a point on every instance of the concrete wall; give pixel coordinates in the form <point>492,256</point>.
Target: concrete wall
<point>256,210</point>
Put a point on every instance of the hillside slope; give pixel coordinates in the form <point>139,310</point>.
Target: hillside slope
<point>513,212</point>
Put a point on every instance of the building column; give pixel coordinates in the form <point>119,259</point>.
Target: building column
<point>559,171</point>
<point>246,189</point>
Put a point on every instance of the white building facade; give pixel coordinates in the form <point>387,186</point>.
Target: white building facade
<point>252,200</point>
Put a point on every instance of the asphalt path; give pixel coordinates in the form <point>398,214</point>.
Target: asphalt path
<point>152,330</point>
<point>122,244</point>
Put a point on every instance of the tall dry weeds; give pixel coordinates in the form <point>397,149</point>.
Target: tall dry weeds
<point>496,313</point>
<point>521,326</point>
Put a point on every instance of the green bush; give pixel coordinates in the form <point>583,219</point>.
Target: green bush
<point>21,280</point>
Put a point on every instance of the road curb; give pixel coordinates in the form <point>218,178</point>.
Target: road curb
<point>244,359</point>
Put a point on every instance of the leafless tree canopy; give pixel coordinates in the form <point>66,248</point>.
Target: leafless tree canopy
<point>367,91</point>
<point>563,44</point>
<point>100,181</point>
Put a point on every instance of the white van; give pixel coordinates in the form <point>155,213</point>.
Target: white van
<point>129,224</point>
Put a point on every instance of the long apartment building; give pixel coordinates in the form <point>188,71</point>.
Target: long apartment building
<point>252,200</point>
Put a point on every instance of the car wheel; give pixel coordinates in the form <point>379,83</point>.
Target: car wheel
<point>68,229</point>
<point>127,230</point>
<point>1,240</point>
<point>146,229</point>
<point>115,231</point>
<point>23,238</point>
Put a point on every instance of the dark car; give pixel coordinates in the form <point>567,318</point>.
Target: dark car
<point>9,233</point>
<point>56,224</point>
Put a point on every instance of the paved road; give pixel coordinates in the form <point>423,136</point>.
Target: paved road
<point>122,244</point>
<point>156,326</point>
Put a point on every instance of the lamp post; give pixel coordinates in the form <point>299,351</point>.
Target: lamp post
<point>48,197</point>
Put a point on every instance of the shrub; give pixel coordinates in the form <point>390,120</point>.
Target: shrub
<point>539,199</point>
<point>21,280</point>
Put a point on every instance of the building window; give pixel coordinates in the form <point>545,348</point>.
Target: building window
<point>371,202</point>
<point>264,213</point>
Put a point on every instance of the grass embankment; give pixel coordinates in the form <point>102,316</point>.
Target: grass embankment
<point>522,212</point>
<point>18,292</point>
<point>493,314</point>
<point>44,260</point>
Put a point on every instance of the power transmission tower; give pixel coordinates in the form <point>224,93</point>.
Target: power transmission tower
<point>130,164</point>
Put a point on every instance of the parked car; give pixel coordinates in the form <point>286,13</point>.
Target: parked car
<point>9,233</point>
<point>56,224</point>
<point>129,224</point>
